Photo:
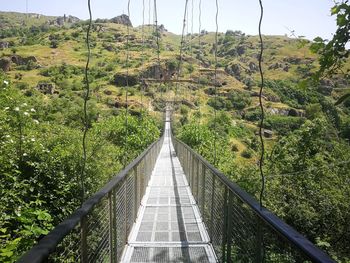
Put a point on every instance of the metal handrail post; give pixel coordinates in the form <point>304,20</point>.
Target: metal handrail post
<point>203,188</point>
<point>212,209</point>
<point>111,226</point>
<point>229,226</point>
<point>225,225</point>
<point>83,243</point>
<point>135,193</point>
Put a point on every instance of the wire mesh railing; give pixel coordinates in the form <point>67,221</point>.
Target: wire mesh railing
<point>98,231</point>
<point>239,229</point>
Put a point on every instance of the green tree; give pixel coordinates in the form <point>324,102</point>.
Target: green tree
<point>308,185</point>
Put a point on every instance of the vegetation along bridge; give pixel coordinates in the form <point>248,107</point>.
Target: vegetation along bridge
<point>171,205</point>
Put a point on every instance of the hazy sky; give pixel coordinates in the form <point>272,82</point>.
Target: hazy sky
<point>308,18</point>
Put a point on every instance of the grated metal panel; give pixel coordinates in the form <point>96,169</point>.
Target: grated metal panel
<point>169,227</point>
<point>170,254</point>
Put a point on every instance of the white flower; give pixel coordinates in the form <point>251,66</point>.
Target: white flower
<point>36,121</point>
<point>32,139</point>
<point>6,82</point>
<point>17,109</point>
<point>32,110</point>
<point>26,113</point>
<point>24,104</point>
<point>6,108</point>
<point>24,154</point>
<point>11,141</point>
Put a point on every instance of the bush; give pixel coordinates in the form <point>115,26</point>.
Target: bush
<point>239,100</point>
<point>246,154</point>
<point>283,124</point>
<point>183,110</point>
<point>234,148</point>
<point>292,95</point>
<point>253,115</point>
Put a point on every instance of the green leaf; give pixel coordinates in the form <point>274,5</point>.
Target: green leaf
<point>6,253</point>
<point>341,20</point>
<point>334,10</point>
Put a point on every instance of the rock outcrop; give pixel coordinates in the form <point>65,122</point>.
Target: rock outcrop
<point>122,20</point>
<point>121,80</point>
<point>46,88</point>
<point>286,112</point>
<point>19,60</point>
<point>61,20</point>
<point>4,45</point>
<point>5,64</point>
<point>234,70</point>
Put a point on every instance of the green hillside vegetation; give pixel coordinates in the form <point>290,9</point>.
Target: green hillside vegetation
<point>41,97</point>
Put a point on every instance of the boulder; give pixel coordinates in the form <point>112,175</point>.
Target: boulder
<point>234,70</point>
<point>293,60</point>
<point>240,50</point>
<point>286,112</point>
<point>46,88</point>
<point>253,67</point>
<point>4,45</point>
<point>23,60</point>
<point>5,64</point>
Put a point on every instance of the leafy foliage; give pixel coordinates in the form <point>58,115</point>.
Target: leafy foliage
<point>334,52</point>
<point>310,190</point>
<point>293,95</point>
<point>40,163</point>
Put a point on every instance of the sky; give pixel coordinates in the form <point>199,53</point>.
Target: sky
<point>309,18</point>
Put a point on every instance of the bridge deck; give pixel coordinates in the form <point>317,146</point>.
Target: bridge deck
<point>169,227</point>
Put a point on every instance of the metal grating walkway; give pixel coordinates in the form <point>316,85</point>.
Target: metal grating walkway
<point>169,227</point>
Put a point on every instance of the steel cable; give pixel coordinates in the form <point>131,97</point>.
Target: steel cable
<point>191,48</point>
<point>142,52</point>
<point>86,98</point>
<point>149,12</point>
<point>199,45</point>
<point>127,90</point>
<point>261,162</point>
<point>308,170</point>
<point>215,78</point>
<point>157,33</point>
<point>181,50</point>
<point>143,83</point>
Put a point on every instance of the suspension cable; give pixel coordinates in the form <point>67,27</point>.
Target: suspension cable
<point>192,7</point>
<point>191,48</point>
<point>215,78</point>
<point>149,12</point>
<point>296,173</point>
<point>86,98</point>
<point>158,45</point>
<point>181,50</point>
<point>199,47</point>
<point>261,162</point>
<point>127,90</point>
<point>142,53</point>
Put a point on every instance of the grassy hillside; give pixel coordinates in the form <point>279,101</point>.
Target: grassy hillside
<point>59,54</point>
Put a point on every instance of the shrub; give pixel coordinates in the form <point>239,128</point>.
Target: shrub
<point>246,154</point>
<point>234,148</point>
<point>283,124</point>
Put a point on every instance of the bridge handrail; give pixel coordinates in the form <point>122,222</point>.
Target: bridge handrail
<point>48,244</point>
<point>311,252</point>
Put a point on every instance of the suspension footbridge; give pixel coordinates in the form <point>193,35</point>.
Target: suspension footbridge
<point>171,205</point>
